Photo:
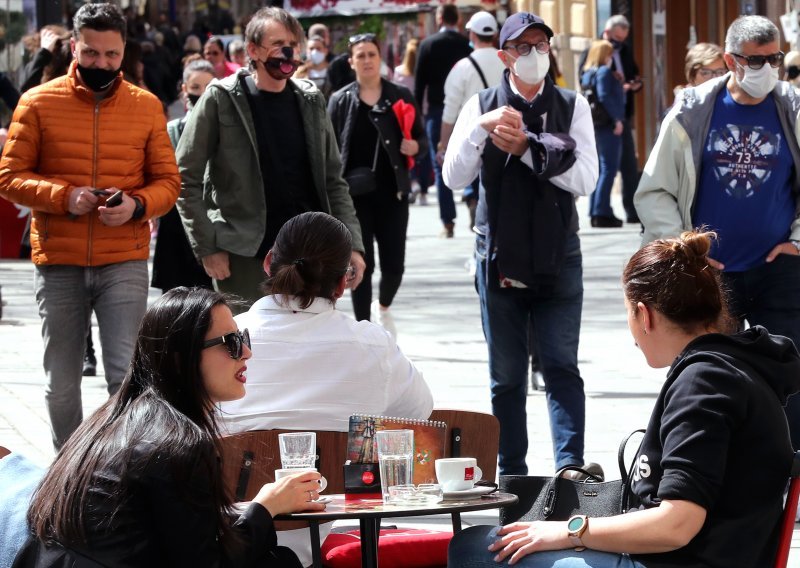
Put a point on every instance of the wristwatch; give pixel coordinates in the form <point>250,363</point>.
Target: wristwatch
<point>576,526</point>
<point>138,213</point>
<point>796,245</point>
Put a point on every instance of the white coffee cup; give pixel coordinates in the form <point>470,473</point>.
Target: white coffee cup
<point>457,474</point>
<point>281,473</point>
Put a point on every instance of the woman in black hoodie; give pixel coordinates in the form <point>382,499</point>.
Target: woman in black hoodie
<point>715,459</point>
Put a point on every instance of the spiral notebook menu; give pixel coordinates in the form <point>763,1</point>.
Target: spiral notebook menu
<point>430,437</point>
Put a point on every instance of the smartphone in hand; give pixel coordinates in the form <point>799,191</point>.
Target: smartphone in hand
<point>115,199</point>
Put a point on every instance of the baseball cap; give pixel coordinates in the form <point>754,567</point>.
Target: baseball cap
<point>518,23</point>
<point>482,23</point>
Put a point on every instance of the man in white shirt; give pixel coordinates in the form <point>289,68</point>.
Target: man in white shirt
<point>479,70</point>
<point>533,145</point>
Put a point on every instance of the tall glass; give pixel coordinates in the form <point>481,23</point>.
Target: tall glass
<point>396,458</point>
<point>298,449</point>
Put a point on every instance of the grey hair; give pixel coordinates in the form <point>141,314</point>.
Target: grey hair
<point>197,65</point>
<point>745,29</point>
<point>236,46</point>
<point>618,21</point>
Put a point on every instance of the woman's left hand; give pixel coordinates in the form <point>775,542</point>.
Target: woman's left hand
<point>520,539</point>
<point>409,147</point>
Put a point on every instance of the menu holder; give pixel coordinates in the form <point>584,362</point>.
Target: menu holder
<point>430,437</point>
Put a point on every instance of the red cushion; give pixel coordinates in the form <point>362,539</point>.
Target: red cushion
<point>397,548</point>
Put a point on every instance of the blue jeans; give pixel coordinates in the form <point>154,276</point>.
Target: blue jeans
<point>769,295</point>
<point>66,296</point>
<point>557,320</point>
<point>433,128</point>
<point>468,549</point>
<point>609,150</point>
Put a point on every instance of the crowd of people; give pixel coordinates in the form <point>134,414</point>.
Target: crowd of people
<point>289,166</point>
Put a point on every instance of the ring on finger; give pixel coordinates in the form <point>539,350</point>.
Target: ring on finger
<point>310,495</point>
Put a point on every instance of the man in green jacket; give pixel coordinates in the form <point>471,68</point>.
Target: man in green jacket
<point>257,150</point>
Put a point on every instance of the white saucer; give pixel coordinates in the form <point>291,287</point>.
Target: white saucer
<point>323,500</point>
<point>477,491</point>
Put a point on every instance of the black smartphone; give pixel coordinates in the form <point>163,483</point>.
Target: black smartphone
<point>115,199</point>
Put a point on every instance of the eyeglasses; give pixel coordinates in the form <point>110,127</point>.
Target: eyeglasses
<point>524,49</point>
<point>234,341</point>
<point>709,73</point>
<point>756,62</point>
<point>361,38</point>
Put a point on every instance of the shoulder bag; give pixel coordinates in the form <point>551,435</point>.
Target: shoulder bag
<point>362,179</point>
<point>557,498</point>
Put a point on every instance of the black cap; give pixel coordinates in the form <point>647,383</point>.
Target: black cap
<point>518,23</point>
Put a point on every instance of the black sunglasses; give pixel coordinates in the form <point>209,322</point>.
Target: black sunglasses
<point>756,62</point>
<point>361,38</point>
<point>234,341</point>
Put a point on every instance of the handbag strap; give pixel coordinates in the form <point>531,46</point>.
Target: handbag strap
<point>480,72</point>
<point>375,157</point>
<point>627,476</point>
<point>551,490</point>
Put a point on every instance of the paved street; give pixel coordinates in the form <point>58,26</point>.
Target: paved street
<point>439,328</point>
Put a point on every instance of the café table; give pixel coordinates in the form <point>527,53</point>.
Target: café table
<point>369,513</point>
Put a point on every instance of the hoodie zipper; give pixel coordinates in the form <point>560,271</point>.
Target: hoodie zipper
<point>95,129</point>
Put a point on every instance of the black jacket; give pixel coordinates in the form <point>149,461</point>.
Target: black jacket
<point>343,107</point>
<point>718,437</point>
<point>435,58</point>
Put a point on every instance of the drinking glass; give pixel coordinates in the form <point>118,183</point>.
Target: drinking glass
<point>298,449</point>
<point>396,458</point>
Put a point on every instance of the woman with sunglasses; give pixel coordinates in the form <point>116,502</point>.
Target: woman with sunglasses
<point>373,147</point>
<point>712,467</point>
<point>608,115</point>
<point>214,53</point>
<point>313,365</point>
<point>139,483</point>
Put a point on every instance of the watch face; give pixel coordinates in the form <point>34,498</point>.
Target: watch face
<point>575,523</point>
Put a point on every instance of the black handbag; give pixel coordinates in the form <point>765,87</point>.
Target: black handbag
<point>362,179</point>
<point>600,116</point>
<point>557,498</point>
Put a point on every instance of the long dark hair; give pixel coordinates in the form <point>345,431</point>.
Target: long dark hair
<point>161,405</point>
<point>310,255</point>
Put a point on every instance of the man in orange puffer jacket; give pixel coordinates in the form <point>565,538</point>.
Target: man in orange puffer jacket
<point>73,143</point>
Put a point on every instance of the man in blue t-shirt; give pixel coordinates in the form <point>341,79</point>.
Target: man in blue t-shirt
<point>727,158</point>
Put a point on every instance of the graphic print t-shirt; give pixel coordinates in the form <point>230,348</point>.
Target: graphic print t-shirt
<point>744,192</point>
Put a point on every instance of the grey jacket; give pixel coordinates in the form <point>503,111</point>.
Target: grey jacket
<point>666,194</point>
<point>222,202</point>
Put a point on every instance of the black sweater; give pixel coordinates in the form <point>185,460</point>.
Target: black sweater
<point>435,58</point>
<point>718,437</point>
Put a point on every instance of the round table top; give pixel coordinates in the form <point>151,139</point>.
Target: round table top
<point>355,508</point>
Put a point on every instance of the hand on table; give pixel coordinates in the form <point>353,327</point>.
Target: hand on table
<point>291,494</point>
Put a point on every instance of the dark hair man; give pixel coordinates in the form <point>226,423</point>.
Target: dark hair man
<point>73,143</point>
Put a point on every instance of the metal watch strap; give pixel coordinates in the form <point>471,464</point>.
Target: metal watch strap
<point>796,244</point>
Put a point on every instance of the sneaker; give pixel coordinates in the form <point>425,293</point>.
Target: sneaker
<point>383,317</point>
<point>89,365</point>
<point>423,199</point>
<point>593,468</point>
<point>448,232</point>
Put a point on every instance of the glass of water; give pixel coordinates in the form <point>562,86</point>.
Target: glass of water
<point>396,458</point>
<point>298,450</point>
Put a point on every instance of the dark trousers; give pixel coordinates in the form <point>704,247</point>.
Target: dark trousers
<point>629,168</point>
<point>506,316</point>
<point>769,295</point>
<point>433,128</point>
<point>383,218</point>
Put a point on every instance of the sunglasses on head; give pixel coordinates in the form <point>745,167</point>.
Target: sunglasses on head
<point>234,341</point>
<point>756,62</point>
<point>361,38</point>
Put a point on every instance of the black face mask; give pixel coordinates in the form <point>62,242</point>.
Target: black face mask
<point>193,98</point>
<point>793,72</point>
<point>616,43</point>
<point>97,79</point>
<point>280,68</point>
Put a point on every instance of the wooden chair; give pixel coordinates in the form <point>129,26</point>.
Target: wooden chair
<point>789,512</point>
<point>471,434</point>
<point>249,460</point>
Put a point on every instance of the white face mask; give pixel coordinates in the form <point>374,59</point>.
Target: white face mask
<point>532,68</point>
<point>316,56</point>
<point>757,83</point>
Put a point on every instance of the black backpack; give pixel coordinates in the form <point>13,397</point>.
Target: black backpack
<point>600,116</point>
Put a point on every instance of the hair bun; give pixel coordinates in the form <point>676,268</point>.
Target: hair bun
<point>695,245</point>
